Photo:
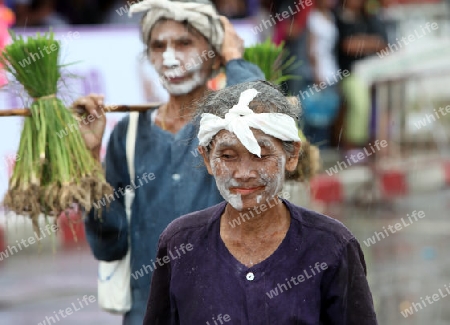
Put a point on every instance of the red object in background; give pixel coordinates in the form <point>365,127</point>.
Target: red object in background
<point>71,229</point>
<point>218,82</point>
<point>292,27</point>
<point>394,183</point>
<point>447,172</point>
<point>7,19</point>
<point>327,189</point>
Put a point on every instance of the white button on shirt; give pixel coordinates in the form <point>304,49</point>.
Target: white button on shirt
<point>176,177</point>
<point>250,276</point>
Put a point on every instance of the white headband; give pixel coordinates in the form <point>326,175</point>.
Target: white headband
<point>203,17</point>
<point>241,118</point>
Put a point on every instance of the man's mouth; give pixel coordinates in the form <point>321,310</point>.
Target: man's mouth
<point>246,190</point>
<point>176,78</point>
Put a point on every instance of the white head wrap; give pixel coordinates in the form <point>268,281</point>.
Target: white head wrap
<point>241,118</point>
<point>203,17</point>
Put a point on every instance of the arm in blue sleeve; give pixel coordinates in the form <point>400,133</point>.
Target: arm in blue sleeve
<point>347,299</point>
<point>239,71</point>
<point>108,236</point>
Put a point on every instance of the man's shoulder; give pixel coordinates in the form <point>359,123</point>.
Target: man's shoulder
<point>192,222</point>
<point>322,225</point>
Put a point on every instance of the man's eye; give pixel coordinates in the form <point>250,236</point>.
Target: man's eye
<point>185,42</point>
<point>228,155</point>
<point>157,46</point>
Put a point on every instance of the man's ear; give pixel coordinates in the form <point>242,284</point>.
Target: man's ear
<point>217,61</point>
<point>292,161</point>
<point>205,156</point>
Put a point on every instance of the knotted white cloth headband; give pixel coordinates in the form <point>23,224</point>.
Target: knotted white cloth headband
<point>203,17</point>
<point>240,118</point>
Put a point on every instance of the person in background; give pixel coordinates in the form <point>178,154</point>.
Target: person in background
<point>263,13</point>
<point>38,13</point>
<point>80,12</point>
<point>293,32</point>
<point>116,13</point>
<point>360,35</point>
<point>387,17</point>
<point>232,9</point>
<point>320,108</point>
<point>9,4</point>
<point>186,42</point>
<point>322,39</point>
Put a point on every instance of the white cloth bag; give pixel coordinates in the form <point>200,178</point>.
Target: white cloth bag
<point>114,291</point>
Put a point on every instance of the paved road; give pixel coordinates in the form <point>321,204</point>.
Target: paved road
<point>407,265</point>
<point>36,286</point>
<point>412,263</point>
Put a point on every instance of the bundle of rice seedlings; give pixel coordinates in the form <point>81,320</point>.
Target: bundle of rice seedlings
<point>274,60</point>
<point>53,173</point>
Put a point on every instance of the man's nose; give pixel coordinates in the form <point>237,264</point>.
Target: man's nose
<point>245,169</point>
<point>169,59</point>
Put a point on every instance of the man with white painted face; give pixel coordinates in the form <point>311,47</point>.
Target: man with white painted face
<point>281,264</point>
<point>186,42</point>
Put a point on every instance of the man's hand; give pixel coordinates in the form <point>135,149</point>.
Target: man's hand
<point>233,45</point>
<point>90,114</point>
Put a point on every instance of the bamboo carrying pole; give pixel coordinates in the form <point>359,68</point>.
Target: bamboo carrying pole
<point>107,108</point>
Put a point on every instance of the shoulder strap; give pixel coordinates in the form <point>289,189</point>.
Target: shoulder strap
<point>131,142</point>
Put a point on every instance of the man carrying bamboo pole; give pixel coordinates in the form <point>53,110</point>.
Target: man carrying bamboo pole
<point>186,42</point>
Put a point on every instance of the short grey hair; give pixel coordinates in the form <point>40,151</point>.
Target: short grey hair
<point>270,99</point>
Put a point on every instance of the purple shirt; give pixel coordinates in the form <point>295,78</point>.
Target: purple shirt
<point>316,276</point>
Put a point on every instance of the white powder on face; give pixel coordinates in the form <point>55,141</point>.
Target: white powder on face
<point>235,200</point>
<point>179,60</point>
<point>224,183</point>
<point>169,59</point>
<point>190,66</point>
<point>166,34</point>
<point>198,77</point>
<point>186,86</point>
<point>275,179</point>
<point>191,59</point>
<point>273,182</point>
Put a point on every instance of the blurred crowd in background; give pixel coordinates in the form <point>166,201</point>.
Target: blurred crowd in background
<point>326,36</point>
<point>35,13</point>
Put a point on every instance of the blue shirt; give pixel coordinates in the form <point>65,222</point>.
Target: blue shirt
<point>316,276</point>
<point>181,185</point>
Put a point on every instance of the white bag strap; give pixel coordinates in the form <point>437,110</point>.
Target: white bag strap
<point>131,142</point>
